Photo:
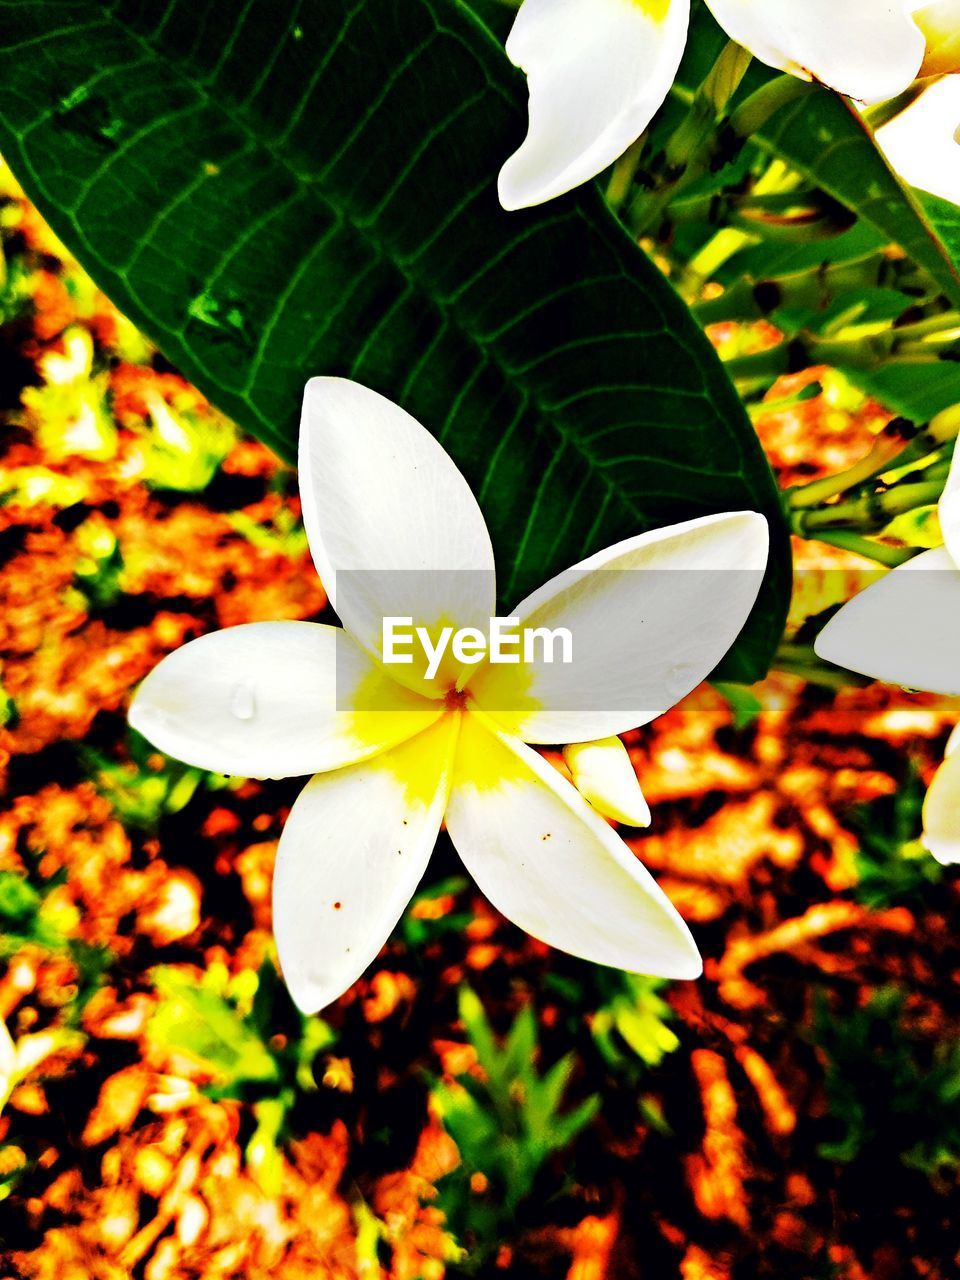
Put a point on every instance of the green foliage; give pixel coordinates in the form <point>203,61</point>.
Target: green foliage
<point>505,1126</point>
<point>32,915</point>
<point>98,573</point>
<point>895,1096</point>
<point>255,201</point>
<point>744,704</point>
<point>147,786</point>
<point>418,930</point>
<point>184,450</point>
<point>892,865</point>
<point>630,1025</point>
<point>24,919</point>
<point>228,1027</point>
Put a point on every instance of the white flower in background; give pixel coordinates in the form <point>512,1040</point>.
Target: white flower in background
<point>388,514</point>
<point>905,629</point>
<point>18,1059</point>
<point>922,143</point>
<point>599,70</point>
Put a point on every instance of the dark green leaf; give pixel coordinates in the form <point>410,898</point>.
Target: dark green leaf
<point>296,188</point>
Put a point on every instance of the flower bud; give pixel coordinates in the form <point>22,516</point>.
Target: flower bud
<point>940,23</point>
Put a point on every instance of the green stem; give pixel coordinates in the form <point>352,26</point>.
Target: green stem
<point>868,513</point>
<point>889,557</point>
<point>801,660</point>
<point>886,449</point>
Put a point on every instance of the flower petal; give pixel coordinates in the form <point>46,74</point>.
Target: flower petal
<point>603,774</point>
<point>598,70</point>
<point>350,857</point>
<point>864,48</point>
<point>393,526</point>
<point>552,865</point>
<point>904,628</point>
<point>649,619</point>
<point>941,812</point>
<point>920,143</point>
<point>949,508</point>
<point>274,700</point>
<point>940,24</point>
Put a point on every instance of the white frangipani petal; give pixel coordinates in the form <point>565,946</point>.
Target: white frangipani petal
<point>953,742</point>
<point>598,70</point>
<point>350,857</point>
<point>940,24</point>
<point>649,618</point>
<point>274,700</point>
<point>868,49</point>
<point>921,142</point>
<point>941,812</point>
<point>392,524</point>
<point>552,865</point>
<point>949,508</point>
<point>904,628</point>
<point>603,774</point>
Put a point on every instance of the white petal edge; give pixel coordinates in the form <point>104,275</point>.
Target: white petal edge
<point>941,812</point>
<point>350,858</point>
<point>604,775</point>
<point>868,49</point>
<point>393,526</point>
<point>552,866</point>
<point>949,508</point>
<point>904,628</point>
<point>649,618</point>
<point>598,70</point>
<point>921,142</point>
<point>274,700</point>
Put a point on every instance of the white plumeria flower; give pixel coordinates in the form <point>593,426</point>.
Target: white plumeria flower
<point>598,70</point>
<point>905,629</point>
<point>923,143</point>
<point>395,530</point>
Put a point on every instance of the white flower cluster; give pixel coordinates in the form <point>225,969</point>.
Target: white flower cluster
<point>598,71</point>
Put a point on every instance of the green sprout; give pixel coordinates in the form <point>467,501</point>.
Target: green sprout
<point>892,865</point>
<point>228,1026</point>
<point>894,1094</point>
<point>505,1124</point>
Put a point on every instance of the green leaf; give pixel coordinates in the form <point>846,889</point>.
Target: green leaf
<point>824,137</point>
<point>944,217</point>
<point>308,186</point>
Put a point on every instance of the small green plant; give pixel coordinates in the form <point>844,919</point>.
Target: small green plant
<point>894,1094</point>
<point>228,1026</point>
<point>147,786</point>
<point>630,1025</point>
<point>892,865</point>
<point>506,1123</point>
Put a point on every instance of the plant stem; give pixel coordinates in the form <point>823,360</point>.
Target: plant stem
<point>889,557</point>
<point>868,513</point>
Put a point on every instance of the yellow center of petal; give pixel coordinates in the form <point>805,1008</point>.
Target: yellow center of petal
<point>656,10</point>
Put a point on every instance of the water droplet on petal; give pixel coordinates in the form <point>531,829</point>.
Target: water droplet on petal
<point>243,703</point>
